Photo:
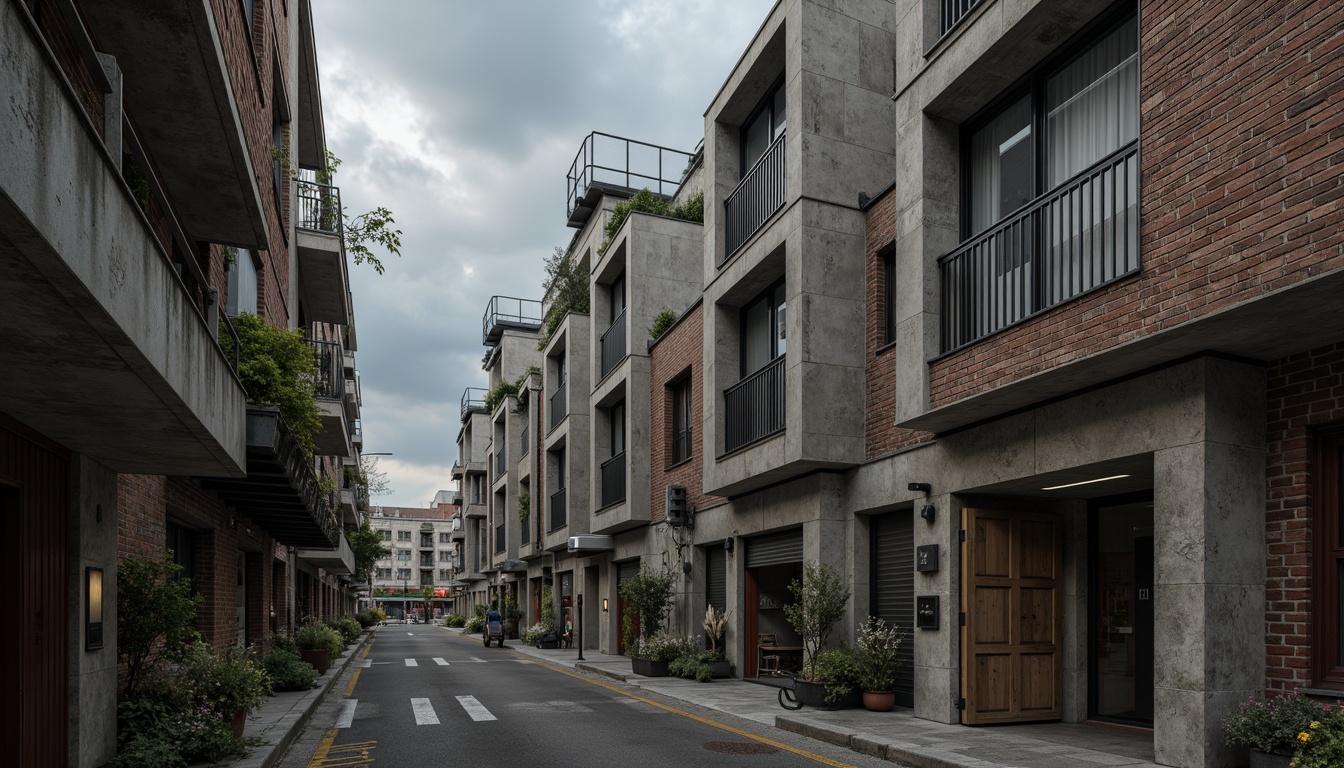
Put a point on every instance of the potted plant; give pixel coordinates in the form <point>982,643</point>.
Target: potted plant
<point>228,681</point>
<point>716,626</point>
<point>1321,744</point>
<point>879,661</point>
<point>512,615</point>
<point>1270,727</point>
<point>318,645</point>
<point>649,656</point>
<point>649,594</point>
<point>819,602</point>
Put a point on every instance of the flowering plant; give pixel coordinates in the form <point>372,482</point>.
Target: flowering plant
<point>879,659</point>
<point>1271,725</point>
<point>228,680</point>
<point>662,647</point>
<point>716,625</point>
<point>1321,743</point>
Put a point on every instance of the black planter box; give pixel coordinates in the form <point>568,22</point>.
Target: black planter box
<point>649,668</point>
<point>814,695</point>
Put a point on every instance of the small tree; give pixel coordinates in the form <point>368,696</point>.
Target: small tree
<point>156,613</point>
<point>649,594</point>
<point>566,285</point>
<point>367,546</point>
<point>819,602</point>
<point>277,368</point>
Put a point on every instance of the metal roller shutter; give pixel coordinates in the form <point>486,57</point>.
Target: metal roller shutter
<point>627,570</point>
<point>775,549</point>
<point>716,578</point>
<point>893,589</point>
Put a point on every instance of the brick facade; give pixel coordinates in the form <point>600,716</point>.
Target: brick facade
<point>881,435</point>
<point>1240,151</point>
<point>679,353</point>
<point>1304,392</point>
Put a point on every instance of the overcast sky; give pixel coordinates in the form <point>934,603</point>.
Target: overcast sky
<point>463,118</point>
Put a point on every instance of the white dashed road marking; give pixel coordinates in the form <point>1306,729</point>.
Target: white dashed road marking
<point>347,715</point>
<point>412,663</point>
<point>474,708</point>
<point>440,662</point>
<point>424,712</point>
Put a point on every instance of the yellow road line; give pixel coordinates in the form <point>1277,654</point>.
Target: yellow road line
<point>349,689</point>
<point>697,718</point>
<point>323,749</point>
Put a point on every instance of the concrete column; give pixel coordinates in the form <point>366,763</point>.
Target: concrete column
<point>1210,595</point>
<point>938,651</point>
<point>93,674</point>
<point>1073,644</point>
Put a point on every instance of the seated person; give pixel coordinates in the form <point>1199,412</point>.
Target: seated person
<point>567,637</point>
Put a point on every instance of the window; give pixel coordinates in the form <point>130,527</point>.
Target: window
<point>403,554</point>
<point>616,297</point>
<point>1072,117</point>
<point>426,540</point>
<point>617,427</point>
<point>445,555</point>
<point>426,558</point>
<point>242,285</point>
<point>403,535</point>
<point>445,537</point>
<point>387,535</point>
<point>889,296</point>
<point>181,541</point>
<point>763,329</point>
<point>1328,520</point>
<point>681,420</point>
<point>384,574</point>
<point>403,574</point>
<point>445,574</point>
<point>764,127</point>
<point>250,16</point>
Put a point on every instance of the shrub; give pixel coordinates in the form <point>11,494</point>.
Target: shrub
<point>281,641</point>
<point>320,637</point>
<point>454,620</point>
<point>1270,725</point>
<point>155,617</point>
<point>474,624</point>
<point>694,666</point>
<point>163,727</point>
<point>227,680</point>
<point>661,322</point>
<point>288,672</point>
<point>1321,743</point>
<point>348,627</point>
<point>534,634</point>
<point>840,670</point>
<point>367,618</point>
<point>649,594</point>
<point>276,367</point>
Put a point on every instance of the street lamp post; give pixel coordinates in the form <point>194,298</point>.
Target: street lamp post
<point>581,627</point>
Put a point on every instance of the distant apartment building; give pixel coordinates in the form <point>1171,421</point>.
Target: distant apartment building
<point>144,208</point>
<point>1024,317</point>
<point>423,561</point>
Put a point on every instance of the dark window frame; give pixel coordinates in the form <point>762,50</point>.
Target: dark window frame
<point>1032,85</point>
<point>1327,520</point>
<point>680,395</point>
<point>775,300</point>
<point>616,428</point>
<point>888,258</point>
<point>765,106</point>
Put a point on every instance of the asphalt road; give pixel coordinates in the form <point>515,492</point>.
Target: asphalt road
<point>424,697</point>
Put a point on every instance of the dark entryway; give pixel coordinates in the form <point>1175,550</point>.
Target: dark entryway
<point>893,589</point>
<point>1121,611</point>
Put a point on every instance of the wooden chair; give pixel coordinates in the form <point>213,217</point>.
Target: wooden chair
<point>769,661</point>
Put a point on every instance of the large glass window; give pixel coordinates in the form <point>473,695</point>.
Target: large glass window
<point>763,329</point>
<point>765,125</point>
<point>242,284</point>
<point>618,428</point>
<point>1328,590</point>
<point>681,420</point>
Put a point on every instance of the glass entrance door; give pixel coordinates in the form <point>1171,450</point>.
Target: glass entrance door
<point>1121,668</point>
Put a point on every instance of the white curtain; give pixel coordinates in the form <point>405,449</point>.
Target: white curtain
<point>999,184</point>
<point>1092,106</point>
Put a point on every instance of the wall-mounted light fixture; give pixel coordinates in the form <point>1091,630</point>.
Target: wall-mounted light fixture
<point>604,605</point>
<point>728,545</point>
<point>927,511</point>
<point>93,608</point>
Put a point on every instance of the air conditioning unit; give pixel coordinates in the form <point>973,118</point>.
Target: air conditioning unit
<point>589,544</point>
<point>676,513</point>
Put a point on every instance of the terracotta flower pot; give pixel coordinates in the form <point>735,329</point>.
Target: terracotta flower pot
<point>879,701</point>
<point>319,659</point>
<point>239,724</point>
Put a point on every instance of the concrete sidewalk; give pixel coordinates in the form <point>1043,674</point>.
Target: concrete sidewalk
<point>896,736</point>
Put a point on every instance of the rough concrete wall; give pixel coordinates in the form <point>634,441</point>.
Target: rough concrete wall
<point>1240,183</point>
<point>1304,391</point>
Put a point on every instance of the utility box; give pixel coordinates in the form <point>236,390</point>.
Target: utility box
<point>676,506</point>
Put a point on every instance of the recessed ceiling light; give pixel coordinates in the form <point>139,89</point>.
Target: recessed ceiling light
<point>1084,482</point>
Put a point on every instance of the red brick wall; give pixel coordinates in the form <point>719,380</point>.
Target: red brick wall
<point>1304,391</point>
<point>881,436</point>
<point>680,352</point>
<point>1240,147</point>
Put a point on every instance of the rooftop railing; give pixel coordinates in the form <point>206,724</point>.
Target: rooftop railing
<point>611,163</point>
<point>473,399</point>
<point>508,312</point>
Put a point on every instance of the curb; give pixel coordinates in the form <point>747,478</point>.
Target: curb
<point>604,672</point>
<point>864,743</point>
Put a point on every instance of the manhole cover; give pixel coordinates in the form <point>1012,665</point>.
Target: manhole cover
<point>740,747</point>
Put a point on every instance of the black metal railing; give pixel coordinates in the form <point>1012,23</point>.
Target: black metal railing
<point>622,164</point>
<point>952,11</point>
<point>319,207</point>
<point>557,517</point>
<point>760,193</point>
<point>508,312</point>
<point>501,461</point>
<point>499,538</point>
<point>754,406</point>
<point>522,450</point>
<point>613,479</point>
<point>473,399</point>
<point>329,361</point>
<point>1079,236</point>
<point>613,344</point>
<point>559,405</point>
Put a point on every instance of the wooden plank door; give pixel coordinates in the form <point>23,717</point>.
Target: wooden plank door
<point>1011,667</point>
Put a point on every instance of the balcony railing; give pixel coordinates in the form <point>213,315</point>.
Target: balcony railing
<point>952,11</point>
<point>319,207</point>
<point>757,197</point>
<point>1078,237</point>
<point>613,344</point>
<point>613,479</point>
<point>501,462</point>
<point>499,538</point>
<point>507,312</point>
<point>329,360</point>
<point>473,399</point>
<point>606,162</point>
<point>522,450</point>
<point>559,406</point>
<point>558,519</point>
<point>754,407</point>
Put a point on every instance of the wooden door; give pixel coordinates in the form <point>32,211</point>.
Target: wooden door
<point>1010,656</point>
